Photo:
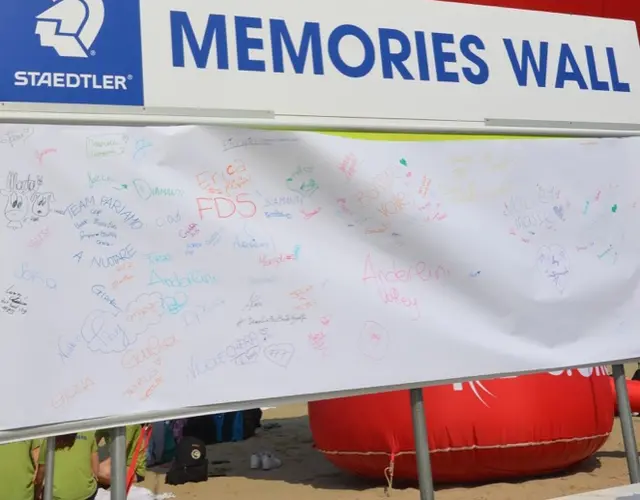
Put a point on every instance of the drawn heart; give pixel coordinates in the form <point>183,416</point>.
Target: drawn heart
<point>559,211</point>
<point>325,320</point>
<point>279,354</point>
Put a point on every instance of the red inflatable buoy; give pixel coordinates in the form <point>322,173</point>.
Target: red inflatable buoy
<point>493,429</point>
<point>633,388</point>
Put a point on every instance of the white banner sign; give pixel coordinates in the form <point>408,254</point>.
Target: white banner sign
<point>323,62</point>
<point>150,269</point>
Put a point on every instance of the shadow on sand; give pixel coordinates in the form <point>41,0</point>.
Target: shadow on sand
<point>290,440</point>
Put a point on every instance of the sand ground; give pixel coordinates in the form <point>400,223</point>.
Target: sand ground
<point>306,475</point>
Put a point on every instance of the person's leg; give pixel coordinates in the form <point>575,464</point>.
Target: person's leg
<point>158,436</point>
<point>104,473</point>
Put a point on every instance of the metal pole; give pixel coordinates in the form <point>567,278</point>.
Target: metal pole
<point>48,468</point>
<point>626,423</point>
<point>423,461</point>
<point>118,454</point>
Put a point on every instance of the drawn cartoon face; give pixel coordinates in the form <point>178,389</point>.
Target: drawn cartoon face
<point>17,207</point>
<point>41,204</point>
<point>552,260</point>
<point>553,263</point>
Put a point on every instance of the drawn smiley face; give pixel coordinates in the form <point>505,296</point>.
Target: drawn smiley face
<point>41,204</point>
<point>16,207</point>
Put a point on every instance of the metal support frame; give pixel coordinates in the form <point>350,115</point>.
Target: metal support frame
<point>48,468</point>
<point>626,423</point>
<point>423,461</point>
<point>118,453</point>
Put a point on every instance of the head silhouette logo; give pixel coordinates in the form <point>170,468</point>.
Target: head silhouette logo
<point>71,27</point>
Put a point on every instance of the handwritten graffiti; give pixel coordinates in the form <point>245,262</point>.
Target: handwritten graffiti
<point>225,208</point>
<point>108,332</point>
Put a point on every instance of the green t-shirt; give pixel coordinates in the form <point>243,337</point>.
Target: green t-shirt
<point>133,434</point>
<point>17,470</point>
<point>73,477</point>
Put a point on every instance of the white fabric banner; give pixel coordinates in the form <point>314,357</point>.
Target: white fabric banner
<point>150,269</point>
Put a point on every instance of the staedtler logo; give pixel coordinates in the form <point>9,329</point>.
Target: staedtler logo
<point>72,52</point>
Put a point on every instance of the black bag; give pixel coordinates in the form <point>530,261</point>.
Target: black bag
<point>201,428</point>
<point>190,464</point>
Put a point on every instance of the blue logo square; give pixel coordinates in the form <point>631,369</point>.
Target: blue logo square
<point>71,52</point>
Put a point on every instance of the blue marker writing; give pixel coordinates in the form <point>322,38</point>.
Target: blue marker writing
<point>605,252</point>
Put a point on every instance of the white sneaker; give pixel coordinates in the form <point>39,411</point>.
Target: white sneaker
<point>256,461</point>
<point>266,461</point>
<point>270,461</point>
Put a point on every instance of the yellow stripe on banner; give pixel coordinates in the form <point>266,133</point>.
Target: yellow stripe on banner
<point>380,136</point>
